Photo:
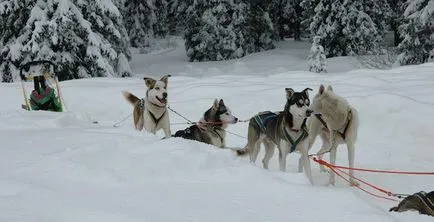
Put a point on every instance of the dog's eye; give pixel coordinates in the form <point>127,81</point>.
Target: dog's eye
<point>301,101</point>
<point>306,101</point>
<point>157,88</point>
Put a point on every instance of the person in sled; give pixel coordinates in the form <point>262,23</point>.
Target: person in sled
<point>43,97</point>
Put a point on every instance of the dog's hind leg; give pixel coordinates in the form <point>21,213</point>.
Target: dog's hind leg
<point>269,152</point>
<point>255,151</point>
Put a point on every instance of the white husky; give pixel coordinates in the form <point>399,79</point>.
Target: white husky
<point>342,122</point>
<point>151,112</point>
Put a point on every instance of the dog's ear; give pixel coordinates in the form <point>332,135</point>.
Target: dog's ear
<point>221,103</point>
<point>330,88</point>
<point>149,82</point>
<point>165,78</point>
<point>321,89</point>
<point>289,92</point>
<point>306,91</point>
<point>215,106</point>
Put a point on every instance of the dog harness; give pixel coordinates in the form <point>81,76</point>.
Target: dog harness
<point>293,143</point>
<point>426,201</point>
<point>262,119</point>
<point>156,120</point>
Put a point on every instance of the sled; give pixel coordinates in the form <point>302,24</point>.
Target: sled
<point>45,95</point>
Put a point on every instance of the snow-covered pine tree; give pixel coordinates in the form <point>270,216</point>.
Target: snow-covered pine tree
<point>177,16</point>
<point>316,57</point>
<point>361,35</point>
<point>140,18</point>
<point>14,15</point>
<point>7,73</point>
<point>380,12</point>
<point>216,30</point>
<point>260,30</point>
<point>397,16</point>
<point>308,11</point>
<point>109,38</point>
<point>286,16</point>
<point>293,13</point>
<point>417,31</point>
<point>344,28</point>
<point>161,27</point>
<point>327,24</point>
<point>84,39</point>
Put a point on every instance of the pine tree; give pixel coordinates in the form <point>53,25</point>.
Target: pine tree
<point>417,32</point>
<point>360,31</point>
<point>140,19</point>
<point>397,16</point>
<point>7,73</point>
<point>14,15</point>
<point>84,39</point>
<point>260,29</point>
<point>161,28</point>
<point>217,33</point>
<point>380,12</point>
<point>286,16</point>
<point>308,11</point>
<point>177,17</point>
<point>345,29</point>
<point>317,56</point>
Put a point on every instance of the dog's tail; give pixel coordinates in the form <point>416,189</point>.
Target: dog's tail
<point>132,99</point>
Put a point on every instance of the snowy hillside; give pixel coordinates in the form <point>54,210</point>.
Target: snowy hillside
<point>61,167</point>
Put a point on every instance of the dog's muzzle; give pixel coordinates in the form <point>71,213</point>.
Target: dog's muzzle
<point>309,112</point>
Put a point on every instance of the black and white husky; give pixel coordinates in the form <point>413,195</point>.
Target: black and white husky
<point>211,128</point>
<point>285,129</point>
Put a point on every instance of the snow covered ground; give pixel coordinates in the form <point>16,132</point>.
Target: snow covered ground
<point>62,167</point>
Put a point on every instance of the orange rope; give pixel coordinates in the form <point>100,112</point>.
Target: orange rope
<point>322,162</point>
<point>335,170</point>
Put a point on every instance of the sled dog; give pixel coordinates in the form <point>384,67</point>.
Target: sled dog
<point>285,129</point>
<point>211,128</point>
<point>338,124</point>
<point>151,112</point>
<point>421,202</point>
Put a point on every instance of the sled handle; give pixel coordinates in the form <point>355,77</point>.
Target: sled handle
<point>32,63</point>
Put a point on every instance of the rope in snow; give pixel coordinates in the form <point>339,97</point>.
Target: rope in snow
<point>322,162</point>
<point>117,124</point>
<point>338,171</point>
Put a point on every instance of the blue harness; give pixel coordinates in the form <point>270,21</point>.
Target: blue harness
<point>264,117</point>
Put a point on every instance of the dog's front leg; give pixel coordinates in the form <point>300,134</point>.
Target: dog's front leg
<point>305,161</point>
<point>333,151</point>
<point>283,152</point>
<point>167,132</point>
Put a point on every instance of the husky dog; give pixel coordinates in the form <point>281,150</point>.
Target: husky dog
<point>286,129</point>
<point>151,112</point>
<point>421,202</point>
<point>338,124</point>
<point>211,128</point>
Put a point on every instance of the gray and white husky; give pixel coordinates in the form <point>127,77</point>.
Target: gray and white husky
<point>285,129</point>
<point>151,112</point>
<point>340,126</point>
<point>211,128</point>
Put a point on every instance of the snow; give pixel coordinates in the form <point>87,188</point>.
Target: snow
<point>62,167</point>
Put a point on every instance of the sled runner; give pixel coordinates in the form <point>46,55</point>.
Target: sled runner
<point>43,96</point>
